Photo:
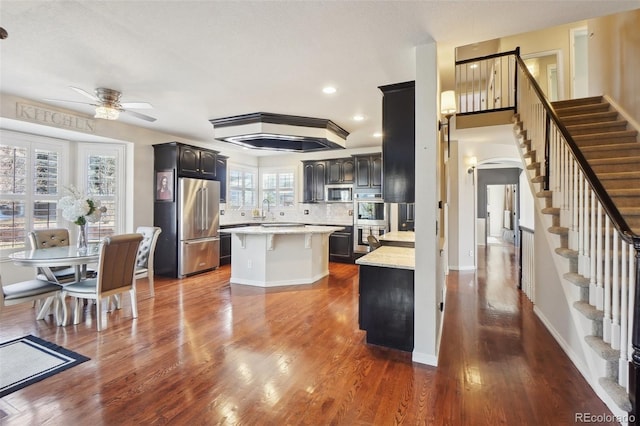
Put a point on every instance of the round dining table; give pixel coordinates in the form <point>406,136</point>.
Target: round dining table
<point>57,256</point>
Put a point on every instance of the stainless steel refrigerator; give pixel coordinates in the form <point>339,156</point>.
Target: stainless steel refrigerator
<point>198,225</point>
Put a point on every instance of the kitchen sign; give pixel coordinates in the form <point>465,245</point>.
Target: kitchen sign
<point>50,117</point>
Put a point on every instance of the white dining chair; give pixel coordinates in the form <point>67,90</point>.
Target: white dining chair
<point>144,260</point>
<point>31,291</point>
<point>115,276</point>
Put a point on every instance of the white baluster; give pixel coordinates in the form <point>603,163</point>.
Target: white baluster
<point>615,294</point>
<point>631,301</point>
<point>624,311</point>
<point>606,321</point>
<point>599,272</point>
<point>581,227</point>
<point>574,206</point>
<point>593,288</point>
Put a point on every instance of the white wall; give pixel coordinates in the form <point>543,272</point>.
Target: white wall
<point>527,207</point>
<point>462,212</point>
<point>429,272</point>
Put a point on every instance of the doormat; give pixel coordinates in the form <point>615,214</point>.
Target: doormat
<point>30,359</point>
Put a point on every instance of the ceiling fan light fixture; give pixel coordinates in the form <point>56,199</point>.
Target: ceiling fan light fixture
<point>107,113</point>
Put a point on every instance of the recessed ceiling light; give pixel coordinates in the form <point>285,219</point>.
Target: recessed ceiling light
<point>358,117</point>
<point>329,90</point>
<point>377,135</point>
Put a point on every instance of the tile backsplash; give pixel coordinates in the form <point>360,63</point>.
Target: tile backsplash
<point>317,213</point>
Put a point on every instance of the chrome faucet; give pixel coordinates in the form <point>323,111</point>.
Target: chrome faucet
<point>264,214</point>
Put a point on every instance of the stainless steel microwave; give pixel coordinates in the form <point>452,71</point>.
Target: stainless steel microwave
<point>338,193</point>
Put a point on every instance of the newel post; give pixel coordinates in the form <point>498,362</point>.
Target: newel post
<point>634,365</point>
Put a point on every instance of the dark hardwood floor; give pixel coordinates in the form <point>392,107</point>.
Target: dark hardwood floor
<point>207,352</point>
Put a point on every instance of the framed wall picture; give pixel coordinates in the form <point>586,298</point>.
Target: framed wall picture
<point>164,186</point>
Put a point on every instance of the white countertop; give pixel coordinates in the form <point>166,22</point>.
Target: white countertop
<point>399,236</point>
<point>302,229</point>
<point>390,257</point>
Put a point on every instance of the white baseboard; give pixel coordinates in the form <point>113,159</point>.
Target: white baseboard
<point>565,346</point>
<point>422,358</point>
<point>462,268</point>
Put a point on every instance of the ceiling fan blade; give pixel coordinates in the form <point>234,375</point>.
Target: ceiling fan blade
<point>140,116</point>
<point>136,105</point>
<point>69,102</point>
<point>85,93</point>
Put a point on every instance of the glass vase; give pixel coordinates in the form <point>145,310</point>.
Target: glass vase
<point>82,238</point>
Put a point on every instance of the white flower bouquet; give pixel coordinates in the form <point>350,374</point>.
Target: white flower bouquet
<point>80,208</point>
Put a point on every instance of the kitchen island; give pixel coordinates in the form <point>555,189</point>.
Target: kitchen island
<point>272,255</point>
<point>386,304</point>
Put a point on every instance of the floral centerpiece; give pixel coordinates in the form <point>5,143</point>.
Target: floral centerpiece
<point>80,209</point>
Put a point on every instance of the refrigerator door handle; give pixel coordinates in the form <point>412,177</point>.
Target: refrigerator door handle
<point>205,209</point>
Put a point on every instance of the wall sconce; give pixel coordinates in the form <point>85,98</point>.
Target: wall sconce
<point>447,108</point>
<point>472,165</point>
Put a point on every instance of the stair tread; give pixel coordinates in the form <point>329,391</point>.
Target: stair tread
<point>567,252</point>
<point>582,109</point>
<point>589,311</point>
<point>607,135</point>
<point>633,159</point>
<point>624,192</point>
<point>632,211</point>
<point>544,194</point>
<point>591,117</point>
<point>587,100</point>
<point>558,230</point>
<point>611,147</point>
<point>537,179</point>
<point>551,210</point>
<point>577,279</point>
<point>596,126</point>
<point>619,175</point>
<point>617,393</point>
<point>602,348</point>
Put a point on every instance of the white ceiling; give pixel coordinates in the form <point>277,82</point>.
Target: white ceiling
<point>198,60</point>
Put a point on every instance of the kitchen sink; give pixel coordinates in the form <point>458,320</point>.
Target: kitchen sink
<point>273,225</point>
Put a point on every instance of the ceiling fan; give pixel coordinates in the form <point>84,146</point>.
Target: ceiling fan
<point>108,105</point>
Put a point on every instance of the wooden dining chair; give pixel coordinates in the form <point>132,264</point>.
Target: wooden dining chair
<point>115,276</point>
<point>144,260</point>
<point>31,291</point>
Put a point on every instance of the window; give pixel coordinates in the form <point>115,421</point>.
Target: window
<point>102,177</point>
<point>278,187</point>
<point>242,187</point>
<point>31,176</point>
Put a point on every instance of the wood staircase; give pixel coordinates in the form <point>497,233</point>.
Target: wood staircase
<point>612,150</point>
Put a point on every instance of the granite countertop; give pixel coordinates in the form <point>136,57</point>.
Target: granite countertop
<point>226,226</point>
<point>399,236</point>
<point>390,257</point>
<point>289,229</point>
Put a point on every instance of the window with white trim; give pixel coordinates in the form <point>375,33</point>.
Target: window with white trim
<point>32,173</point>
<point>101,173</point>
<point>278,187</point>
<point>242,187</point>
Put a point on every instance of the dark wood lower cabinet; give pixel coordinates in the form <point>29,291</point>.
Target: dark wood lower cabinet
<point>341,245</point>
<point>386,306</point>
<point>225,248</point>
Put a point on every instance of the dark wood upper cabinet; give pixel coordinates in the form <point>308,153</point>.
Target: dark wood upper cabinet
<point>197,162</point>
<point>398,142</point>
<point>221,176</point>
<point>314,175</point>
<point>368,172</point>
<point>340,171</point>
